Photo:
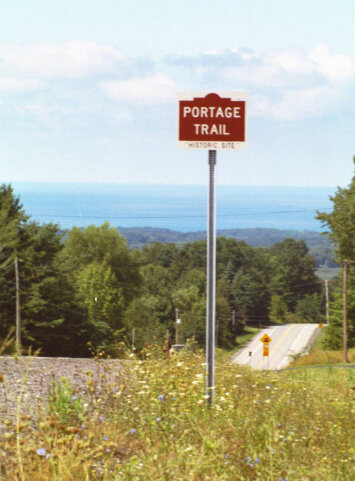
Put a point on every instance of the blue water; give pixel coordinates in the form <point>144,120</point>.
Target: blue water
<point>177,207</point>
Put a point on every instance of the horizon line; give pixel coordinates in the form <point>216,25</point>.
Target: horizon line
<point>82,183</point>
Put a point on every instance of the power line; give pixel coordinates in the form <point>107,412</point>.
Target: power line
<point>141,217</point>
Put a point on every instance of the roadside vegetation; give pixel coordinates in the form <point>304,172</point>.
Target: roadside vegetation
<point>321,357</point>
<point>155,425</point>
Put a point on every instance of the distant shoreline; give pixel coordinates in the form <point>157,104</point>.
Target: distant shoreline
<point>181,208</point>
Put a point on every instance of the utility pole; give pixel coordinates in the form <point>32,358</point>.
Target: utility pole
<point>18,308</point>
<point>177,322</point>
<point>327,301</point>
<point>345,320</point>
<point>133,339</point>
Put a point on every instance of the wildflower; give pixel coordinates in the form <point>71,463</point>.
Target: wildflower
<point>105,438</point>
<point>41,452</point>
<point>74,398</point>
<point>161,397</point>
<point>133,431</point>
<point>100,418</point>
<point>158,420</point>
<point>227,456</point>
<point>257,460</point>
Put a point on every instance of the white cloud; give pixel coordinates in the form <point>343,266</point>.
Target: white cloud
<point>287,84</point>
<point>73,60</point>
<point>18,85</point>
<point>288,68</point>
<point>157,89</point>
<point>335,67</point>
<point>294,104</point>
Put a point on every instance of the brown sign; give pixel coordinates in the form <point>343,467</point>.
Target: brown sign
<point>212,121</point>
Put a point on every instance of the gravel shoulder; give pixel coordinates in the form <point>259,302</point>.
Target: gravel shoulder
<point>28,380</point>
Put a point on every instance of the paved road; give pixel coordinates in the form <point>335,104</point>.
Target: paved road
<point>287,339</point>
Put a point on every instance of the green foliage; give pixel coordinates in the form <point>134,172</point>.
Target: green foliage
<point>278,310</point>
<point>65,405</point>
<point>308,309</point>
<point>319,246</point>
<point>102,299</point>
<point>102,244</point>
<point>341,222</point>
<point>332,338</point>
<point>293,271</point>
<point>142,316</point>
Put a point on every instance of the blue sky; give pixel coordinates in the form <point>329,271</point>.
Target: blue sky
<point>88,89</point>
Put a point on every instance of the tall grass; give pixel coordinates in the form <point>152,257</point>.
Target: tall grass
<point>320,357</point>
<point>264,426</point>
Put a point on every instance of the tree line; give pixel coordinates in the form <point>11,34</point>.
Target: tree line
<point>319,246</point>
<point>85,287</point>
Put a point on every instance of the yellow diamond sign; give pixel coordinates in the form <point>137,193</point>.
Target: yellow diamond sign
<point>265,339</point>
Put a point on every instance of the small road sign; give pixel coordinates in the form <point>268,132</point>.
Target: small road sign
<point>212,121</point>
<point>265,350</point>
<point>265,339</point>
<point>320,325</point>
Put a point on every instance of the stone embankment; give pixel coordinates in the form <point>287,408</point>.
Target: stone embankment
<point>26,382</point>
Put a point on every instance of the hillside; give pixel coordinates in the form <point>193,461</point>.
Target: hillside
<point>318,244</point>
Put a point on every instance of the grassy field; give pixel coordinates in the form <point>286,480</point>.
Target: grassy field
<point>327,273</point>
<point>319,357</point>
<point>265,426</point>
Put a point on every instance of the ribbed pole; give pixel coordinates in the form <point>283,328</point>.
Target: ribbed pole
<point>211,279</point>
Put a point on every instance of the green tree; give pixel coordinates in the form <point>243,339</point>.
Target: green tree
<point>102,244</point>
<point>332,337</point>
<point>49,318</point>
<point>293,271</point>
<point>12,222</point>
<point>341,222</point>
<point>308,309</point>
<point>278,310</point>
<point>98,294</point>
<point>141,315</point>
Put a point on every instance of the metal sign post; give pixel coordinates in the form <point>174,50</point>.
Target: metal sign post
<point>211,121</point>
<point>211,278</point>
